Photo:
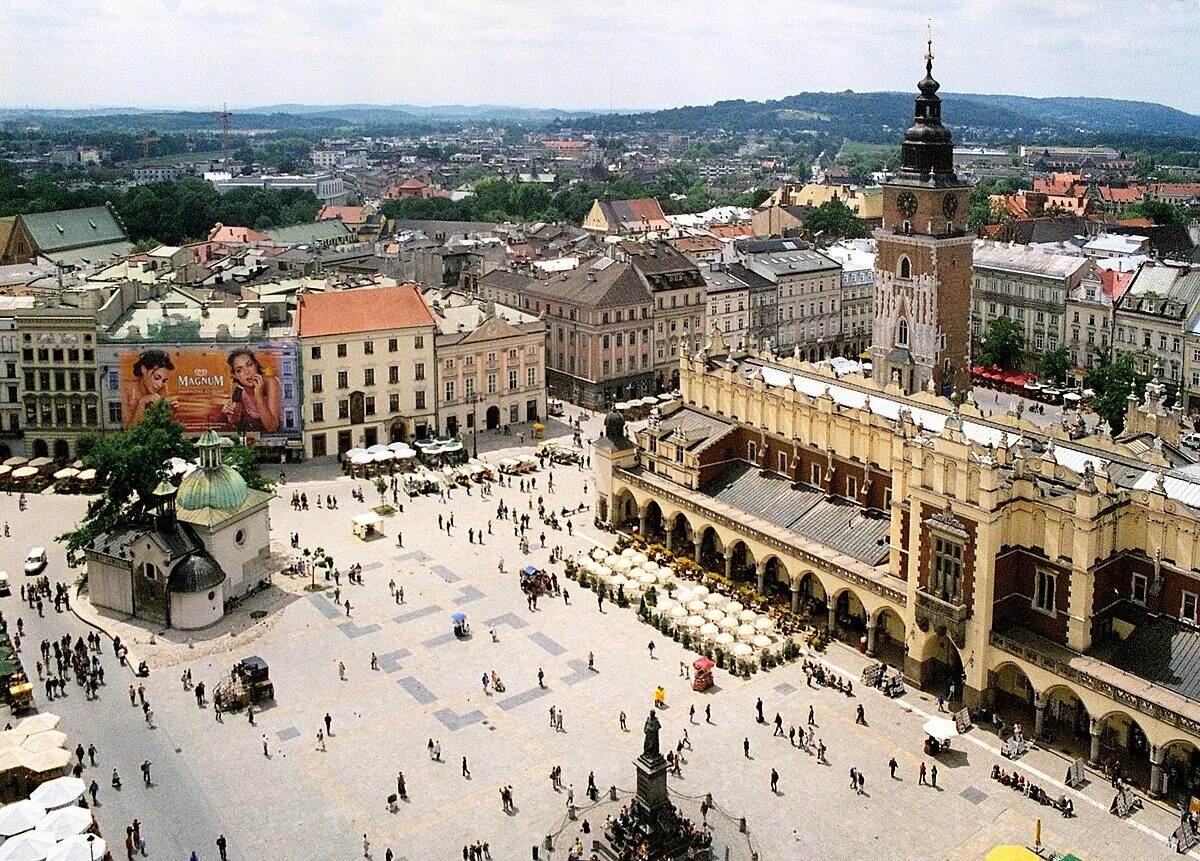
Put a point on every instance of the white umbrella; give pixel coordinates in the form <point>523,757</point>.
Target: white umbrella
<point>599,554</point>
<point>375,449</point>
<point>701,592</point>
<point>679,612</point>
<point>713,599</point>
<point>629,553</point>
<point>697,606</point>
<point>355,452</point>
<point>603,572</point>
<point>684,596</point>
<point>58,792</point>
<point>745,632</point>
<point>734,607</point>
<point>940,728</point>
<point>764,623</point>
<point>724,639</point>
<point>741,650</point>
<point>362,459</point>
<point>695,622</point>
<point>62,823</point>
<point>640,558</point>
<point>79,848</point>
<point>19,816</point>
<point>714,615</point>
<point>729,623</point>
<point>709,630</point>
<point>748,616</point>
<point>665,605</point>
<point>650,565</point>
<point>404,454</point>
<point>647,579</point>
<point>39,723</point>
<point>452,446</point>
<point>27,847</point>
<point>381,456</point>
<point>760,641</point>
<point>47,740</point>
<point>620,564</point>
<point>619,580</point>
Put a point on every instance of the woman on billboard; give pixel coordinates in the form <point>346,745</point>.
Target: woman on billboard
<point>151,372</point>
<point>256,400</point>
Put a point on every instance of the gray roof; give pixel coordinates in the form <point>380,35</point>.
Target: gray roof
<point>198,572</point>
<point>599,283</point>
<point>174,541</point>
<point>790,263</point>
<point>73,228</point>
<point>1164,652</point>
<point>696,426</point>
<point>1168,291</point>
<point>1019,259</point>
<point>839,524</point>
<point>306,234</point>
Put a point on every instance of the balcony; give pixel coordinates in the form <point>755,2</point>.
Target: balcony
<point>943,615</point>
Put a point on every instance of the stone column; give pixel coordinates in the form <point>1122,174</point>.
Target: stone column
<point>760,571</point>
<point>670,539</point>
<point>642,524</point>
<point>1156,772</point>
<point>795,595</point>
<point>1094,753</point>
<point>870,639</point>
<point>1039,714</point>
<point>728,566</point>
<point>832,620</point>
<point>698,542</point>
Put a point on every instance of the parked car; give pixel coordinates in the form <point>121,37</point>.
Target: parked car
<point>35,561</point>
<point>5,589</point>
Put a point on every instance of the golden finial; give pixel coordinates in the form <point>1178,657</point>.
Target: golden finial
<point>929,41</point>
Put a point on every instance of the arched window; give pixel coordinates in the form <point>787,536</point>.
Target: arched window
<point>905,268</point>
<point>902,333</point>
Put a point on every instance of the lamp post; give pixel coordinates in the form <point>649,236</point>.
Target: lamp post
<point>91,841</point>
<point>474,424</point>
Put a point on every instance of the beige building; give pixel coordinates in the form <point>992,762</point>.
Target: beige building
<point>367,361</point>
<point>1054,581</point>
<point>1150,320</point>
<point>491,363</point>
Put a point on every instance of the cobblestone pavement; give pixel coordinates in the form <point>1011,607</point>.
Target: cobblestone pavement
<point>211,778</point>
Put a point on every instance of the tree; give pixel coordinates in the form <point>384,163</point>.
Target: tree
<point>129,466</point>
<point>381,487</point>
<point>834,218</point>
<point>1055,365</point>
<point>1002,344</point>
<point>244,459</point>
<point>1113,381</point>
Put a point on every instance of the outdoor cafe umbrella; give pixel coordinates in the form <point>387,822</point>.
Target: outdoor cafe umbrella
<point>724,639</point>
<point>459,617</point>
<point>47,760</point>
<point>761,641</point>
<point>39,723</point>
<point>46,740</point>
<point>58,792</point>
<point>745,632</point>
<point>697,606</point>
<point>748,616</point>
<point>664,605</point>
<point>376,448</point>
<point>20,816</point>
<point>599,554</point>
<point>709,630</point>
<point>361,459</point>
<point>87,475</point>
<point>39,462</point>
<point>381,456</point>
<point>5,470</point>
<point>696,622</point>
<point>943,729</point>
<point>66,472</point>
<point>81,847</point>
<point>701,592</point>
<point>685,596</point>
<point>62,823</point>
<point>355,452</point>
<point>764,623</point>
<point>27,847</point>
<point>679,612</point>
<point>714,615</point>
<point>734,607</point>
<point>714,599</point>
<point>729,623</point>
<point>741,650</point>
<point>24,472</point>
<point>16,461</point>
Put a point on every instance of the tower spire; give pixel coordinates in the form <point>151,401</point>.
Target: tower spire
<point>929,48</point>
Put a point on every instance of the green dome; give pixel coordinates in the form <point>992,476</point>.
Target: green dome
<point>211,487</point>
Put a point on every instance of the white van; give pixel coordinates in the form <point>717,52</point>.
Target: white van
<point>35,561</point>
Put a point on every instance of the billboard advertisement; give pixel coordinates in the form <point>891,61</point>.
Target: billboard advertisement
<point>237,389</point>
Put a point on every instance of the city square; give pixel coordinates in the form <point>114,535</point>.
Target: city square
<point>211,778</point>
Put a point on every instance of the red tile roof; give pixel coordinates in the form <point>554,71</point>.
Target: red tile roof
<point>365,309</point>
<point>695,244</point>
<point>344,214</point>
<point>732,231</point>
<point>1132,194</point>
<point>241,235</point>
<point>564,144</point>
<point>1113,282</point>
<point>1135,222</point>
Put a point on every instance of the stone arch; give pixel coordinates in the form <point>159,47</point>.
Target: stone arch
<point>712,549</point>
<point>679,535</point>
<point>904,267</point>
<point>889,636</point>
<point>41,448</point>
<point>1180,760</point>
<point>740,562</point>
<point>1123,741</point>
<point>1013,695</point>
<point>935,664</point>
<point>625,509</point>
<point>653,523</point>
<point>1065,721</point>
<point>849,616</point>
<point>776,581</point>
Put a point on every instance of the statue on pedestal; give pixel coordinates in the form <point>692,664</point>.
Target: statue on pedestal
<point>650,748</point>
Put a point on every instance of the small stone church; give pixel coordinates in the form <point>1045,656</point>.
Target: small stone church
<point>210,543</point>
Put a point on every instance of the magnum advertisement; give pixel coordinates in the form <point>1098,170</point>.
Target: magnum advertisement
<point>245,389</point>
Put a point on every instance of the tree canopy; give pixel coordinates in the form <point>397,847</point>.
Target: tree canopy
<point>1055,365</point>
<point>1002,344</point>
<point>834,218</point>
<point>1114,380</point>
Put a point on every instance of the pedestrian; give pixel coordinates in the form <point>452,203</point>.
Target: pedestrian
<point>374,661</point>
<point>933,776</point>
<point>921,775</point>
<point>366,847</point>
<point>328,724</point>
<point>341,671</point>
<point>132,696</point>
<point>437,750</point>
<point>91,751</point>
<point>401,788</point>
<point>941,703</point>
<point>347,606</point>
<point>553,713</point>
<point>778,724</point>
<point>862,779</point>
<point>429,747</point>
<point>812,720</point>
<point>774,781</point>
<point>758,708</point>
<point>541,678</point>
<point>746,747</point>
<point>792,736</point>
<point>692,713</point>
<point>591,662</point>
<point>708,712</point>
<point>266,752</point>
<point>854,778</point>
<point>223,848</point>
<point>94,789</point>
<point>466,772</point>
<point>624,728</point>
<point>250,713</point>
<point>892,766</point>
<point>861,715</point>
<point>320,739</point>
<point>146,771</point>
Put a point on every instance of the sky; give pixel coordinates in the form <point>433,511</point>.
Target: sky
<point>624,54</point>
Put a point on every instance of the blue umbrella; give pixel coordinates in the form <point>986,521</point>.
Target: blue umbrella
<point>459,617</point>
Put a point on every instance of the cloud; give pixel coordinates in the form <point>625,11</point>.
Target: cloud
<point>649,53</point>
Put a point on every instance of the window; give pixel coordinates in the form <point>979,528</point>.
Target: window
<point>316,384</point>
<point>419,342</point>
<point>902,333</point>
<point>512,378</point>
<point>341,351</point>
<point>1187,610</point>
<point>114,413</point>
<point>1043,596</point>
<point>368,376</point>
<point>419,371</point>
<point>605,342</point>
<point>851,487</point>
<point>816,474</point>
<point>369,405</point>
<point>394,403</point>
<point>450,390</point>
<point>752,452</point>
<point>531,376</point>
<point>393,374</point>
<point>783,463</point>
<point>449,364</point>
<point>1139,589</point>
<point>491,384</point>
<point>368,348</point>
<point>946,581</point>
<point>343,409</point>
<point>469,387</point>
<point>343,378</point>
<point>905,269</point>
<point>393,345</point>
<point>420,400</point>
<point>318,412</point>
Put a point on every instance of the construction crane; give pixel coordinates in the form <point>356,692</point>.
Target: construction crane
<point>148,139</point>
<point>224,115</point>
